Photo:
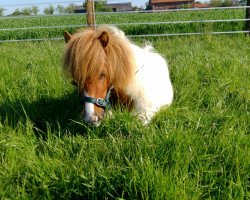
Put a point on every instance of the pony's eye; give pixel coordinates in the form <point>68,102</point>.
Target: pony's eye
<point>102,76</point>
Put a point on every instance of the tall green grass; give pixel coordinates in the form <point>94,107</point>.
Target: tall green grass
<point>6,22</point>
<point>198,148</point>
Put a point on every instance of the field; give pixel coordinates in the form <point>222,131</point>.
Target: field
<point>8,22</point>
<point>198,148</point>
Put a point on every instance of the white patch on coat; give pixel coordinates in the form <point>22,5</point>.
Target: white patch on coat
<point>90,116</point>
<point>151,87</point>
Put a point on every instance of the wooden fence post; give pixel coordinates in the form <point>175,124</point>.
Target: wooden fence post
<point>90,11</point>
<point>248,17</point>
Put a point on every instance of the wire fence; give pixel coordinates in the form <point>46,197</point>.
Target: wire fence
<point>138,24</point>
<point>124,24</point>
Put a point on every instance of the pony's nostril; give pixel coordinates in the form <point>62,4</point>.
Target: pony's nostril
<point>94,118</point>
<point>92,121</point>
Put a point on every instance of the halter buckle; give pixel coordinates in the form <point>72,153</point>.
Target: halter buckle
<point>100,102</point>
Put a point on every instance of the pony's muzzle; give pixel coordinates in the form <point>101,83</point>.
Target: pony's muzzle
<point>92,120</point>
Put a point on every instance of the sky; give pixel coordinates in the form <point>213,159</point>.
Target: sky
<point>11,5</point>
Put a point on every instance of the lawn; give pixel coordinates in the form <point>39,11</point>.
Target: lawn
<point>198,148</point>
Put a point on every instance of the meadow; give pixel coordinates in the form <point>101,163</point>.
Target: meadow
<point>198,148</point>
<point>80,21</point>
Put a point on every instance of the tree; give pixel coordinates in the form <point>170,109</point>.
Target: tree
<point>227,3</point>
<point>16,12</point>
<point>135,8</point>
<point>216,3</point>
<point>236,2</point>
<point>243,2</point>
<point>70,8</point>
<point>34,10</point>
<point>2,12</point>
<point>26,11</point>
<point>101,6</point>
<point>60,9</point>
<point>49,11</point>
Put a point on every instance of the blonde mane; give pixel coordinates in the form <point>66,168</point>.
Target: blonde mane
<point>86,56</point>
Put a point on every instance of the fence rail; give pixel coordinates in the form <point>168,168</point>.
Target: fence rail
<point>134,24</point>
<point>133,36</point>
<point>123,24</point>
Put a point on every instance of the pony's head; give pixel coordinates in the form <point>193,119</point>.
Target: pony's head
<point>98,60</point>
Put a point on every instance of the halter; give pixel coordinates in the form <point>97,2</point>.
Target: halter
<point>104,103</point>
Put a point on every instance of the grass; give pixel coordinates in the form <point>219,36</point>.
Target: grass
<point>6,22</point>
<point>198,148</point>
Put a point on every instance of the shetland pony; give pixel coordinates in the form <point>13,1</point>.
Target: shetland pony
<point>104,63</point>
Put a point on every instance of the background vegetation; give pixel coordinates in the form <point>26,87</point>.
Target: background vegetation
<point>32,24</point>
<point>198,148</point>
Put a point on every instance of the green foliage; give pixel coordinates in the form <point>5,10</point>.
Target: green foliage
<point>228,3</point>
<point>16,12</point>
<point>49,11</point>
<point>26,11</point>
<point>198,148</point>
<point>224,3</point>
<point>1,11</point>
<point>243,2</point>
<point>70,8</point>
<point>100,6</point>
<point>34,10</point>
<point>216,3</point>
<point>60,9</point>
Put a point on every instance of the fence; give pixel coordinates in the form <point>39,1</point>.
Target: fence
<point>138,23</point>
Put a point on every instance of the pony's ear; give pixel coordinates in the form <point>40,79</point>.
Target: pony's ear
<point>67,36</point>
<point>104,38</point>
<point>73,82</point>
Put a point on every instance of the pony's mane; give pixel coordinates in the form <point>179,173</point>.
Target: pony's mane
<point>86,56</point>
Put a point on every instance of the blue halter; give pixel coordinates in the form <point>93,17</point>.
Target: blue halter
<point>104,103</point>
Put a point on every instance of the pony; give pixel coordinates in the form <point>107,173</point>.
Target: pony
<point>105,64</point>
